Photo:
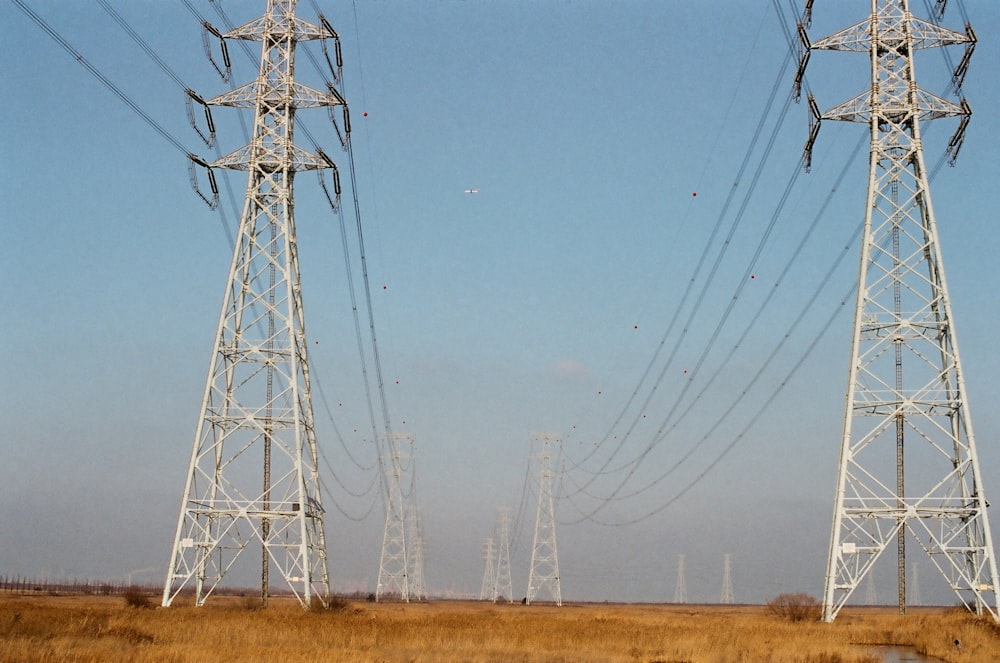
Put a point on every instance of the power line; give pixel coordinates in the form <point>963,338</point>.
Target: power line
<point>55,35</point>
<point>663,430</point>
<point>142,43</point>
<point>94,71</point>
<point>713,271</point>
<point>824,328</point>
<point>689,288</point>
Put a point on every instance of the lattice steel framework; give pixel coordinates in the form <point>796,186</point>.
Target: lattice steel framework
<point>680,589</point>
<point>488,591</point>
<point>871,594</point>
<point>726,595</point>
<point>394,566</point>
<point>908,465</point>
<point>253,480</point>
<point>504,584</point>
<point>544,554</point>
<point>415,556</point>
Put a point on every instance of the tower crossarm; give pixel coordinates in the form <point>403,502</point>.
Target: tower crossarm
<point>898,34</point>
<point>293,26</point>
<point>855,38</point>
<point>272,158</point>
<point>929,107</point>
<point>295,95</point>
<point>925,34</point>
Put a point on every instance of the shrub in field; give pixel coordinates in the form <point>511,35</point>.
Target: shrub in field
<point>798,607</point>
<point>136,598</point>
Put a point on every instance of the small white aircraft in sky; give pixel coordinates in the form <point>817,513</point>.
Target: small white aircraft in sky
<point>472,190</point>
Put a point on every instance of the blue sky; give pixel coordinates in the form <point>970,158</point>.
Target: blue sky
<point>533,306</point>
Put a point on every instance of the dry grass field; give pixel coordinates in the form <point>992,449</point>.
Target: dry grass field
<point>86,628</point>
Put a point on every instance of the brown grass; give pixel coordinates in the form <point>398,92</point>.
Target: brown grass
<point>84,629</point>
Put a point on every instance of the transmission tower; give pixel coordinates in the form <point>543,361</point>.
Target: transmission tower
<point>415,541</point>
<point>726,596</point>
<point>489,589</point>
<point>393,572</point>
<point>680,590</point>
<point>906,389</point>
<point>544,557</point>
<point>252,481</point>
<point>915,597</point>
<point>871,596</point>
<point>504,584</point>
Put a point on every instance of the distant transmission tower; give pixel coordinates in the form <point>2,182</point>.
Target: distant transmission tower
<point>871,597</point>
<point>415,557</point>
<point>544,557</point>
<point>489,589</point>
<point>393,572</point>
<point>906,389</point>
<point>680,590</point>
<point>726,595</point>
<point>252,481</point>
<point>504,584</point>
<point>915,597</point>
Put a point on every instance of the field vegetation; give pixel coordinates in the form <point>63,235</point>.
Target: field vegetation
<point>41,628</point>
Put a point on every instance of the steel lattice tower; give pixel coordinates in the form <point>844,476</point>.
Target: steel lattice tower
<point>394,567</point>
<point>504,584</point>
<point>488,592</point>
<point>415,557</point>
<point>871,596</point>
<point>908,465</point>
<point>680,590</point>
<point>544,555</point>
<point>252,481</point>
<point>726,595</point>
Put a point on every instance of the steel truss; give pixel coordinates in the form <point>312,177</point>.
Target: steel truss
<point>415,556</point>
<point>253,479</point>
<point>395,564</point>
<point>544,554</point>
<point>504,586</point>
<point>488,591</point>
<point>908,466</point>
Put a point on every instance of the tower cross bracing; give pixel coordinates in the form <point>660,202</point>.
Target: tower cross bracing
<point>908,468</point>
